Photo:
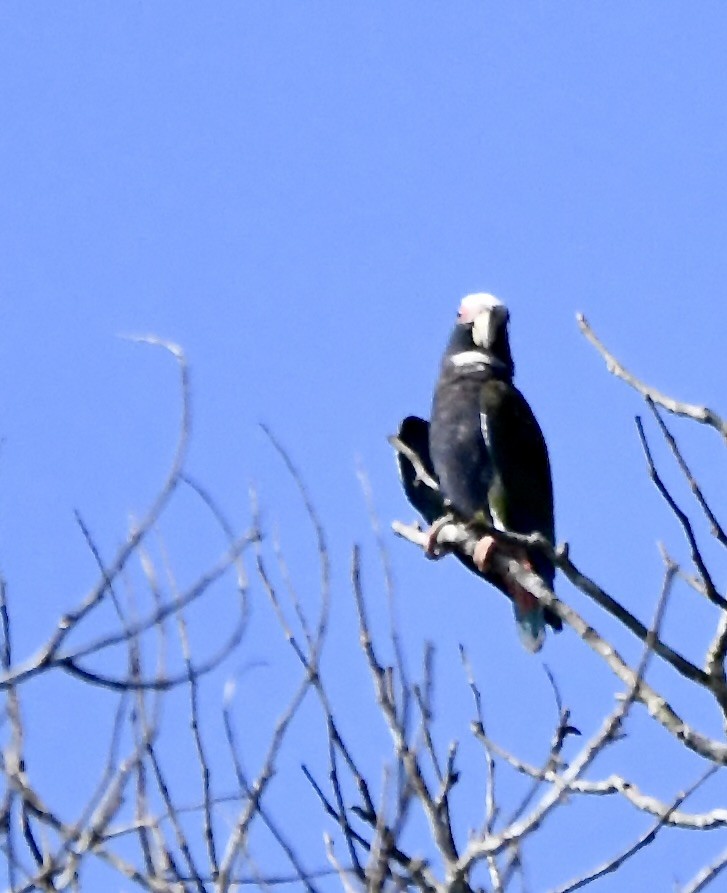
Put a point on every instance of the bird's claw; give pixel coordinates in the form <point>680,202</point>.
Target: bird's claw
<point>433,548</point>
<point>482,554</point>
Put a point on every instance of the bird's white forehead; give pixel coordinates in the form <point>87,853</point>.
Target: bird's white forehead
<point>474,304</point>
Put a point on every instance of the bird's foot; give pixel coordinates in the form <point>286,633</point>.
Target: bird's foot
<point>482,555</point>
<point>433,548</point>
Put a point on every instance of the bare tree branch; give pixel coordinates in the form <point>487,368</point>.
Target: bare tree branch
<point>709,587</point>
<point>643,841</point>
<point>715,527</point>
<point>440,828</point>
<point>705,877</point>
<point>696,413</point>
<point>210,841</point>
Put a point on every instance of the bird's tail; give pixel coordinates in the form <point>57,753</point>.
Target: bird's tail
<point>530,619</point>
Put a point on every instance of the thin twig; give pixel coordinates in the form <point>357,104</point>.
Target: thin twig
<point>322,546</point>
<point>696,413</point>
<point>643,841</point>
<point>616,784</point>
<point>705,877</point>
<point>404,698</point>
<point>238,835</point>
<point>303,876</point>
<point>440,829</point>
<point>194,723</point>
<point>560,733</point>
<point>478,729</point>
<point>710,588</point>
<point>715,527</point>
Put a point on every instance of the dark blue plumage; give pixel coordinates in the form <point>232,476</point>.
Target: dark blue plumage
<point>486,446</point>
<point>458,450</point>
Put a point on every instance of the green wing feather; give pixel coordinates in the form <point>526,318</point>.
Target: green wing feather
<point>521,493</point>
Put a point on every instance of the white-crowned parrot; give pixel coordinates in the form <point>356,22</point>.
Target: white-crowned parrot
<point>488,452</point>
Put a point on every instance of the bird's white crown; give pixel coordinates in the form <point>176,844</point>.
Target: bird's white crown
<point>473,305</point>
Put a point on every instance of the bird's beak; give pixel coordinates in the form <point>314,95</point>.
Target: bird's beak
<point>484,329</point>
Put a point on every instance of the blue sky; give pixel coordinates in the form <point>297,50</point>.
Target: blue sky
<point>299,195</point>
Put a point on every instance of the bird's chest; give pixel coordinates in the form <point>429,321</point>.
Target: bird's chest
<point>456,433</point>
<point>458,450</point>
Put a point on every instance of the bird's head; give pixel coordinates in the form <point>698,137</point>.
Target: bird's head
<point>487,317</point>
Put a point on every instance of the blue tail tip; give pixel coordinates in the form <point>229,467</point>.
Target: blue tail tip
<point>531,629</point>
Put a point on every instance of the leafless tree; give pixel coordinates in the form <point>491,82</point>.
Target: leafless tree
<point>143,832</point>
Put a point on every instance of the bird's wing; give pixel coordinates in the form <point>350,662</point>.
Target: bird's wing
<point>521,495</point>
<point>414,433</point>
<point>521,490</point>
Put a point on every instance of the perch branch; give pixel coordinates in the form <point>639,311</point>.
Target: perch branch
<point>656,705</point>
